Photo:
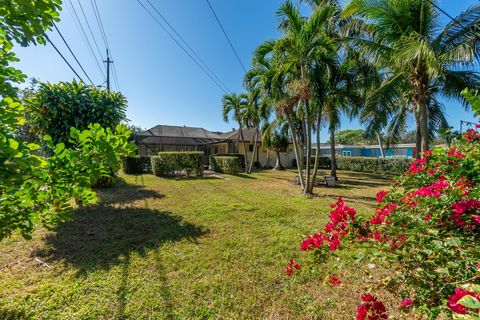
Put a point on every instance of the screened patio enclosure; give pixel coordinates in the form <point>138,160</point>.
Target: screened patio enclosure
<point>177,138</point>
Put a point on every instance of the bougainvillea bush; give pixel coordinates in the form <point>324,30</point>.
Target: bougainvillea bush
<point>426,227</point>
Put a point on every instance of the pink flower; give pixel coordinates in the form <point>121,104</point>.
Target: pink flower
<point>452,302</point>
<point>407,303</point>
<point>461,209</point>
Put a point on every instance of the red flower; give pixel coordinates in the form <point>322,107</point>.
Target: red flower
<point>371,309</point>
<point>452,302</point>
<point>334,281</point>
<point>291,267</point>
<point>407,303</point>
<point>454,152</point>
<point>417,166</point>
<point>380,195</point>
<point>471,135</point>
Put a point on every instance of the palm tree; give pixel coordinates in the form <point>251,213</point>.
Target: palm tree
<point>236,104</point>
<point>252,116</point>
<point>277,142</point>
<point>407,42</point>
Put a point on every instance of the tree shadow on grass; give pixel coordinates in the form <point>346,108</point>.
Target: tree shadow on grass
<point>12,315</point>
<point>101,236</point>
<point>126,194</point>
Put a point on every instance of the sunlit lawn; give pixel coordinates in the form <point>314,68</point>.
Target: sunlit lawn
<point>187,249</point>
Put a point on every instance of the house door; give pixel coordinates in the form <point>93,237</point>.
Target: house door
<point>347,153</point>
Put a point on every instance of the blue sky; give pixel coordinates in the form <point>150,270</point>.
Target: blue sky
<point>161,83</point>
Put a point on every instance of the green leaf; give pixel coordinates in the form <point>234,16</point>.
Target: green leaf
<point>13,144</point>
<point>469,302</point>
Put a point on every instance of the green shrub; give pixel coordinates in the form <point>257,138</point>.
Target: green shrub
<point>215,166</point>
<point>178,163</point>
<point>138,164</point>
<point>227,164</point>
<point>54,108</point>
<point>374,165</point>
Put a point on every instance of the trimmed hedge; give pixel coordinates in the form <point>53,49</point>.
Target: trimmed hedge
<point>178,163</point>
<point>138,164</point>
<point>214,165</point>
<point>323,162</point>
<point>391,166</point>
<point>227,164</point>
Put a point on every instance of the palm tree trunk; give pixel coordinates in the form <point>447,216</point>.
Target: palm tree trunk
<point>278,165</point>
<point>244,147</point>
<point>255,137</point>
<point>380,144</point>
<point>333,157</point>
<point>418,135</point>
<point>423,117</point>
<point>317,156</point>
<point>308,139</point>
<point>295,148</point>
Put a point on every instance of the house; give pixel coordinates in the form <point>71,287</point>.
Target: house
<point>178,138</point>
<point>404,150</point>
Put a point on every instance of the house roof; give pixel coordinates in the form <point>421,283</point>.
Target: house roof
<point>177,135</point>
<point>248,134</point>
<point>179,131</point>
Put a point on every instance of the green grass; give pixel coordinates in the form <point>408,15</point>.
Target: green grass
<point>187,249</point>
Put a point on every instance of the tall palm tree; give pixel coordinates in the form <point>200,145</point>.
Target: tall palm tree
<point>408,43</point>
<point>236,104</point>
<point>253,114</point>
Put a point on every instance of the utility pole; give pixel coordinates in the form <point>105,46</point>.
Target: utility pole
<point>108,61</point>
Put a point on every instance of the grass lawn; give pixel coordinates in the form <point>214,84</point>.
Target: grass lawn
<point>204,248</point>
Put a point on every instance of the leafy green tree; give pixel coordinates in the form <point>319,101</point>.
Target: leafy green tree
<point>54,108</point>
<point>473,97</point>
<point>417,54</point>
<point>236,104</point>
<point>351,136</point>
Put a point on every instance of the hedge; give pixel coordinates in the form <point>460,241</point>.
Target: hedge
<point>323,162</point>
<point>138,164</point>
<point>178,163</point>
<point>391,166</point>
<point>226,164</point>
<point>214,165</point>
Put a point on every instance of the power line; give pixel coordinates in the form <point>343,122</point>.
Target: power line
<point>64,59</point>
<point>181,46</point>
<point>98,17</point>
<point>89,28</point>
<point>73,54</point>
<point>226,35</point>
<point>80,28</point>
<point>446,13</point>
<point>188,46</point>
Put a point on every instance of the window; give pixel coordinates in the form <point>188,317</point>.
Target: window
<point>347,153</point>
<point>250,147</point>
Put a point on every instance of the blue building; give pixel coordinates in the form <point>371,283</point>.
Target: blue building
<point>404,150</point>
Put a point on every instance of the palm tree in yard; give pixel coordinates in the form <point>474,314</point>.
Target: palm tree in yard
<point>292,60</point>
<point>236,104</point>
<point>427,61</point>
<point>276,141</point>
<point>252,116</point>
